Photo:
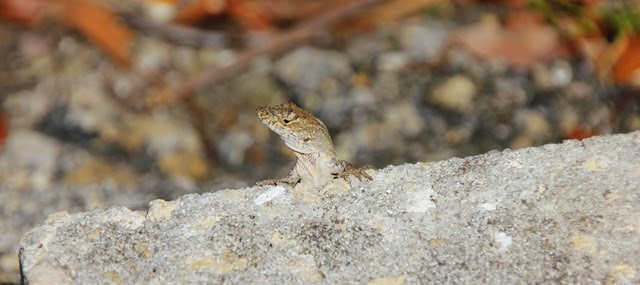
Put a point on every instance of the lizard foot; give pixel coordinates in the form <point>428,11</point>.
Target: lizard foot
<point>355,171</point>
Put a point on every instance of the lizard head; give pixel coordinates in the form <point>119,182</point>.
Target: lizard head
<point>299,129</point>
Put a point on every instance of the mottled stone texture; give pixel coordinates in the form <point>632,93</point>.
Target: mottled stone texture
<point>566,213</point>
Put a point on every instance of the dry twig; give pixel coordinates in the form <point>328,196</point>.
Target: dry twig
<point>182,35</point>
<point>278,44</point>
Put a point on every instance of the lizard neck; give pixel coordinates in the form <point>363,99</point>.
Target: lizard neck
<point>315,154</point>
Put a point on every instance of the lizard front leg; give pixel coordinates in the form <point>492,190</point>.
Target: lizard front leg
<point>292,178</point>
<point>348,169</point>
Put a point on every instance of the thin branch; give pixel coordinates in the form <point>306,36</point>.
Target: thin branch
<point>278,44</point>
<point>175,33</point>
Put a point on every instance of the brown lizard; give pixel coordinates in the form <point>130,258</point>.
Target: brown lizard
<point>309,140</point>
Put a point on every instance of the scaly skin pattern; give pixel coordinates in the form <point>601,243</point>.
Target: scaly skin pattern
<point>308,138</point>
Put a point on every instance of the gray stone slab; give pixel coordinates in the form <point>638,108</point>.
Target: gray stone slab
<point>565,213</point>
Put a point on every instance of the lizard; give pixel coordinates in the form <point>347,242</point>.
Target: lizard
<point>317,163</point>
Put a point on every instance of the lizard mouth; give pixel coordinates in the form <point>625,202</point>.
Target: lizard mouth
<point>266,116</point>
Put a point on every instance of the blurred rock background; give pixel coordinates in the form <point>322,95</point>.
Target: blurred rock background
<point>122,102</point>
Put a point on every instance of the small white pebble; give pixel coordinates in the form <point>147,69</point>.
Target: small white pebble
<point>488,206</point>
<point>515,164</point>
<point>269,195</point>
<point>392,61</point>
<point>159,11</point>
<point>504,240</point>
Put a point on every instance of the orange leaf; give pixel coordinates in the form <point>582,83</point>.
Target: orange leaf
<point>579,133</point>
<point>199,9</point>
<point>251,15</point>
<point>627,68</point>
<point>100,25</point>
<point>26,12</point>
<point>521,46</point>
<point>397,9</point>
<point>388,12</point>
<point>294,10</point>
<point>4,130</point>
<point>170,2</point>
<point>523,18</point>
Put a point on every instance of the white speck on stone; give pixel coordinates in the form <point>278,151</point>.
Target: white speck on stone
<point>541,188</point>
<point>488,206</point>
<point>161,210</point>
<point>269,195</point>
<point>504,240</point>
<point>420,201</point>
<point>515,164</point>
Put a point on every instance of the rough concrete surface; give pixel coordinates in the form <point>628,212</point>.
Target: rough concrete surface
<point>565,213</point>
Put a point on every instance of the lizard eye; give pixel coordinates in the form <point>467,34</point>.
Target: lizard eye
<point>286,121</point>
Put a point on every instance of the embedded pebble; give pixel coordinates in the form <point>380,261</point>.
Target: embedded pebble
<point>423,41</point>
<point>533,123</point>
<point>558,74</point>
<point>269,195</point>
<point>504,241</point>
<point>308,68</point>
<point>455,94</point>
<point>392,61</point>
<point>29,160</point>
